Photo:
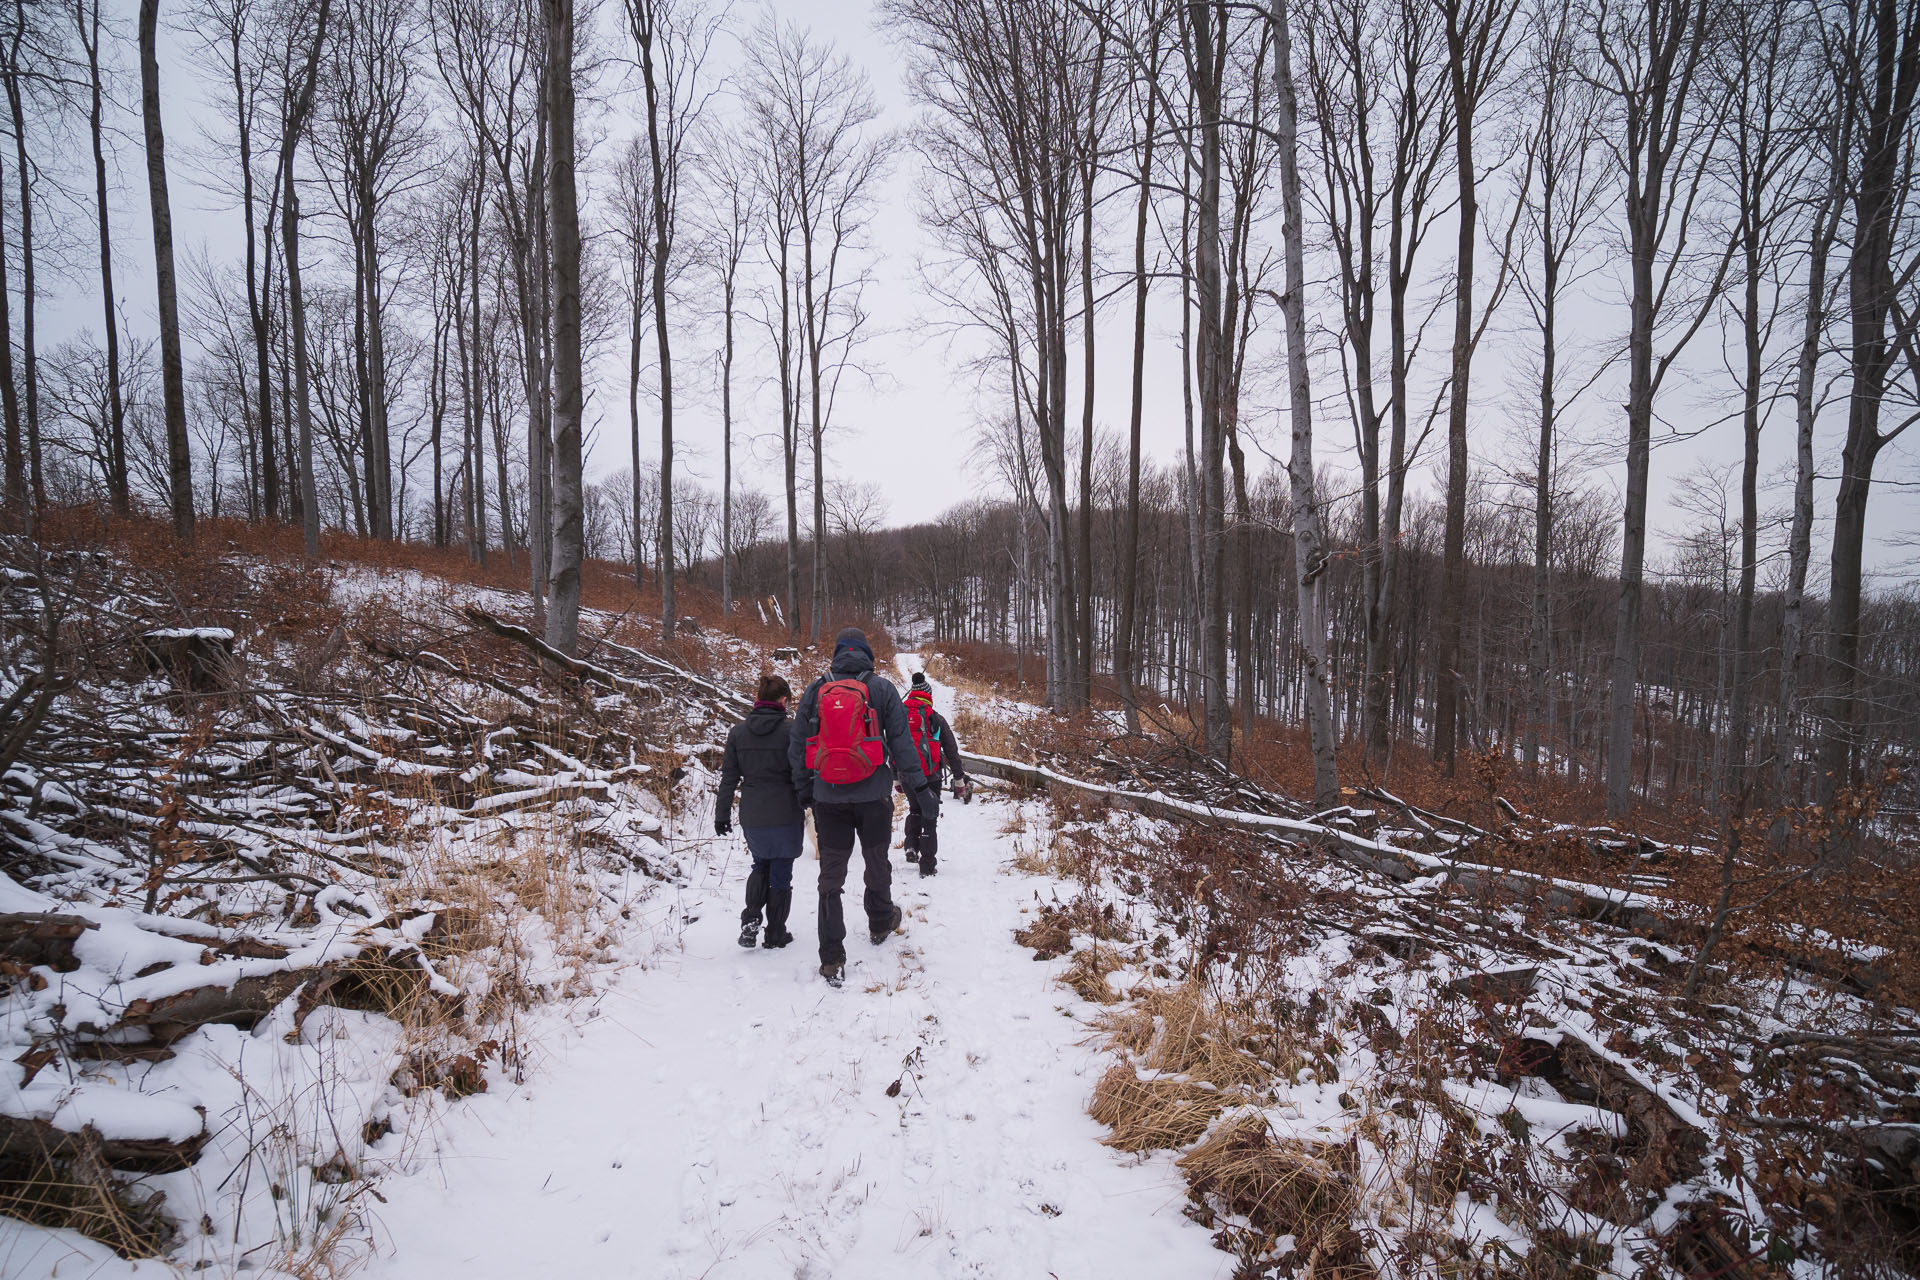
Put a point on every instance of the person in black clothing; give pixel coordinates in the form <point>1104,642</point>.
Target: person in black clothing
<point>770,814</point>
<point>865,808</point>
<point>939,754</point>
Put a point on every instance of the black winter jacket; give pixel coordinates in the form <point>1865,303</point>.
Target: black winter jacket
<point>885,698</point>
<point>756,754</point>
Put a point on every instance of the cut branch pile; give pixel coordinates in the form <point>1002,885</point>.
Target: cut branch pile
<point>250,813</point>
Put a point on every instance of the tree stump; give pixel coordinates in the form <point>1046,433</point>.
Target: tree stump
<point>195,659</point>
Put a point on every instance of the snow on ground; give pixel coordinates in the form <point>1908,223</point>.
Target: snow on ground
<point>723,1113</point>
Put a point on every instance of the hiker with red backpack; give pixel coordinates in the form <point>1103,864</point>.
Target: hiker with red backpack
<point>850,741</point>
<point>939,753</point>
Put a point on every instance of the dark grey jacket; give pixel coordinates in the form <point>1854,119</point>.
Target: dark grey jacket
<point>893,729</point>
<point>756,755</point>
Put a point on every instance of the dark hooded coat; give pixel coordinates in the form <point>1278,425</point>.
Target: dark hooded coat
<point>755,762</point>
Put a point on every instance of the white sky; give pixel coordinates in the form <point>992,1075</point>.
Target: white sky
<point>910,427</point>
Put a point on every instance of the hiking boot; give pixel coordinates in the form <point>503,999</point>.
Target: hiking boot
<point>928,867</point>
<point>779,903</point>
<point>913,855</point>
<point>881,934</point>
<point>835,974</point>
<point>750,933</point>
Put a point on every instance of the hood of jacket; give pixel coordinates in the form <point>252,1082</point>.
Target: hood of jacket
<point>763,720</point>
<point>852,662</point>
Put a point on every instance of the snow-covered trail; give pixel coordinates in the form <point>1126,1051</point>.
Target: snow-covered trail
<point>726,1114</point>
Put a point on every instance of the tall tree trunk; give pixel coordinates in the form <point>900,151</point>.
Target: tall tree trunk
<point>1753,248</point>
<point>1309,553</point>
<point>258,300</point>
<point>790,442</point>
<point>173,379</point>
<point>118,498</point>
<point>1089,173</point>
<point>1540,632</point>
<point>29,290</point>
<point>16,458</point>
<point>1825,229</point>
<point>1207,65</point>
<point>292,128</point>
<point>563,613</point>
<point>633,408</point>
<point>380,490</point>
<point>1123,655</point>
<point>726,449</point>
<point>437,407</point>
<point>662,246</point>
<point>1884,110</point>
<point>473,389</point>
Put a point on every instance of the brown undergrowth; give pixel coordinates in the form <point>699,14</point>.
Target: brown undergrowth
<point>1337,1109</point>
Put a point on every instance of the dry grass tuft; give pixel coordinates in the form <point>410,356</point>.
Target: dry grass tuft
<point>1197,1038</point>
<point>81,1194</point>
<point>1153,1114</point>
<point>1056,924</point>
<point>1087,974</point>
<point>1284,1189</point>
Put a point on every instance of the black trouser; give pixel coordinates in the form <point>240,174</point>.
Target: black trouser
<point>835,826</point>
<point>923,837</point>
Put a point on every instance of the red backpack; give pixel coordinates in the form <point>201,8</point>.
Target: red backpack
<point>848,747</point>
<point>925,740</point>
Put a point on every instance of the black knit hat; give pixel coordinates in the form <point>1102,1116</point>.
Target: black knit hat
<point>852,638</point>
<point>919,679</point>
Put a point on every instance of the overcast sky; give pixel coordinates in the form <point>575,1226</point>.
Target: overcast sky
<point>910,424</point>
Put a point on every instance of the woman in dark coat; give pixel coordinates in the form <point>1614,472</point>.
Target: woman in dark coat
<point>755,764</point>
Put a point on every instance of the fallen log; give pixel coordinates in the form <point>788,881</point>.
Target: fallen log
<point>243,1003</point>
<point>1629,910</point>
<point>25,1141</point>
<point>42,938</point>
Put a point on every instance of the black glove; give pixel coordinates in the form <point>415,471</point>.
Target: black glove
<point>722,823</point>
<point>927,801</point>
<point>804,797</point>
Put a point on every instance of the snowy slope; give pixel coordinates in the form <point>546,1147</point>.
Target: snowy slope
<point>722,1113</point>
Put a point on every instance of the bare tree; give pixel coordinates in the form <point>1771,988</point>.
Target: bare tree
<point>173,379</point>
<point>1821,229</point>
<point>1309,551</point>
<point>671,40</point>
<point>1562,197</point>
<point>1767,73</point>
<point>735,216</point>
<point>86,17</point>
<point>1383,115</point>
<point>1650,57</point>
<point>372,145</point>
<point>1145,92</point>
<point>1476,34</point>
<point>563,614</point>
<point>1879,86</point>
<point>1009,84</point>
<point>633,177</point>
<point>814,109</point>
<point>302,50</point>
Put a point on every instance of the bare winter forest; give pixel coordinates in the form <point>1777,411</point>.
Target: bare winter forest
<point>1466,439</point>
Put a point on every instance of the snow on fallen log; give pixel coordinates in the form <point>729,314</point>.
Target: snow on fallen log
<point>1636,911</point>
<point>50,1117</point>
<point>42,938</point>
